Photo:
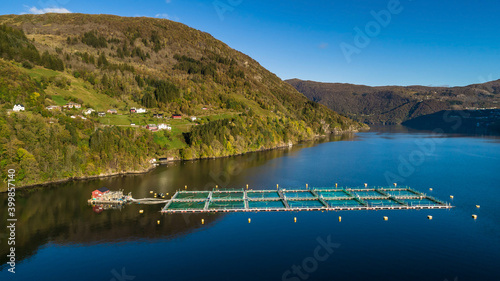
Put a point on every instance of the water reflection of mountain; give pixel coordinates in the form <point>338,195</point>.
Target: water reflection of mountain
<point>471,122</point>
<point>59,213</point>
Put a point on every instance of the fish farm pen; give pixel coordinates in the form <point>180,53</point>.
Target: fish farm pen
<point>312,199</point>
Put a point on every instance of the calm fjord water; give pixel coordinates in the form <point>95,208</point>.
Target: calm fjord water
<point>59,237</point>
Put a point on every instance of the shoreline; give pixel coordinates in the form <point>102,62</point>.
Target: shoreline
<point>153,166</point>
<point>82,178</point>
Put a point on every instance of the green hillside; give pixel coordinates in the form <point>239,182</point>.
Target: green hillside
<point>109,62</point>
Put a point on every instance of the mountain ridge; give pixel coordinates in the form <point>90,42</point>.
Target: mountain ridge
<point>397,104</point>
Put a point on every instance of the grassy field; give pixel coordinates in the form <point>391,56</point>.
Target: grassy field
<point>38,72</point>
<point>59,100</point>
<point>173,142</point>
<point>79,90</point>
<point>124,120</point>
<point>219,116</point>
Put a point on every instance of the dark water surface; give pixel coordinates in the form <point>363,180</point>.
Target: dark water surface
<point>60,237</point>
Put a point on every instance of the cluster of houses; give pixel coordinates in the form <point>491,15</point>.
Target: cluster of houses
<point>151,127</point>
<point>18,107</point>
<point>154,127</point>
<point>72,105</point>
<point>178,116</point>
<point>88,111</point>
<point>69,105</point>
<point>137,110</point>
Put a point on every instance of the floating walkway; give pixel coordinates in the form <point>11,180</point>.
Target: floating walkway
<point>313,199</point>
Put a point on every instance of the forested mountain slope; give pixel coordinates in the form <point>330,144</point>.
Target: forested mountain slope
<point>228,103</point>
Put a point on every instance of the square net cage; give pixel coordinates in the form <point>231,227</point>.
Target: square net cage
<point>192,195</point>
<point>179,205</point>
<point>305,204</point>
<point>367,194</point>
<point>227,195</point>
<point>333,194</point>
<point>278,204</point>
<point>382,203</point>
<point>401,193</point>
<point>420,202</point>
<point>298,194</point>
<point>262,195</point>
<point>343,203</point>
<point>226,205</point>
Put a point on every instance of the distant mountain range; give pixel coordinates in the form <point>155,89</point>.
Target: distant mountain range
<point>397,104</point>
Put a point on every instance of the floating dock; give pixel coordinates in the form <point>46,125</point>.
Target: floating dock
<point>312,199</point>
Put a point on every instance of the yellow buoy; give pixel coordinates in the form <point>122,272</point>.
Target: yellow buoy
<point>340,218</point>
<point>158,222</point>
<point>167,193</point>
<point>366,185</point>
<point>395,184</point>
<point>277,186</point>
<point>451,196</point>
<point>477,206</point>
<point>249,220</point>
<point>474,216</point>
<point>216,186</point>
<point>430,189</point>
<point>151,192</point>
<point>185,187</point>
<point>386,218</point>
<point>336,185</point>
<point>247,186</point>
<point>163,196</point>
<point>295,219</point>
<point>306,185</point>
<point>429,217</point>
<point>202,221</point>
<point>141,211</point>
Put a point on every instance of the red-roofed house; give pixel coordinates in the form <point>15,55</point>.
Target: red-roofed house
<point>98,193</point>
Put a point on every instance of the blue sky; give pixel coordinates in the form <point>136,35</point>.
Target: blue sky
<point>413,41</point>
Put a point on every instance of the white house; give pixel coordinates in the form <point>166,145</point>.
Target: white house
<point>53,107</point>
<point>18,107</point>
<point>72,105</point>
<point>164,127</point>
<point>88,111</point>
<point>193,118</point>
<point>140,110</point>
